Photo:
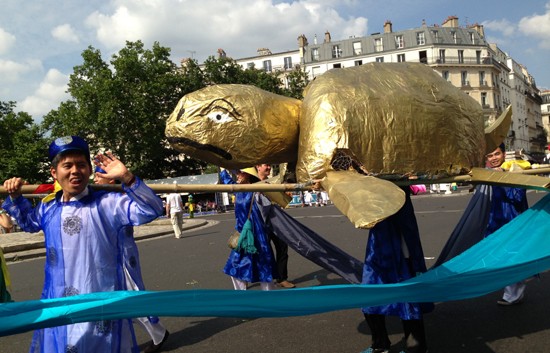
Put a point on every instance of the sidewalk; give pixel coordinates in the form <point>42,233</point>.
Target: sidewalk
<point>20,245</point>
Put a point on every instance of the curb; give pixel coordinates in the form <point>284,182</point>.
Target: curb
<point>35,248</point>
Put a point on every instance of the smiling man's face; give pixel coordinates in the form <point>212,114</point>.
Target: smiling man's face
<point>73,174</point>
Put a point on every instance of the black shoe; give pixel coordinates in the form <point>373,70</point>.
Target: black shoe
<point>152,347</point>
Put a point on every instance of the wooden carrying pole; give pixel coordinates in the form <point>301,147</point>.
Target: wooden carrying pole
<point>522,178</point>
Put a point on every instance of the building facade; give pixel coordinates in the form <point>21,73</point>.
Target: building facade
<point>545,109</point>
<point>461,55</point>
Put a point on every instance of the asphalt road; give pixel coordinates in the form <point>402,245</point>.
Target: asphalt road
<point>195,261</point>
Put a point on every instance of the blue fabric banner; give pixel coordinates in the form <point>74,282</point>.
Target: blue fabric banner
<point>517,251</point>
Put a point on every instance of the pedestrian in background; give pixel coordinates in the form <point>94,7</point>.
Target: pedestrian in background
<point>174,208</point>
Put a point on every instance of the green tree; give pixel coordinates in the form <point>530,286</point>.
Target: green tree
<point>297,81</point>
<point>22,146</point>
<point>124,106</point>
<point>224,70</point>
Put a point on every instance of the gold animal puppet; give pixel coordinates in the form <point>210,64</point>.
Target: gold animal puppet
<point>355,128</point>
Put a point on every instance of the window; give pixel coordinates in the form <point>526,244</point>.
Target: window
<point>423,56</point>
<point>378,44</point>
<point>400,58</point>
<point>357,48</point>
<point>358,62</point>
<point>441,56</point>
<point>436,36</point>
<point>478,56</point>
<point>472,38</point>
<point>399,43</point>
<point>464,78</point>
<point>380,59</point>
<point>337,66</point>
<point>453,34</point>
<point>445,75</point>
<point>461,56</point>
<point>267,65</point>
<point>482,81</point>
<point>420,38</point>
<point>250,66</point>
<point>336,51</point>
<point>484,100</point>
<point>288,62</point>
<point>315,54</point>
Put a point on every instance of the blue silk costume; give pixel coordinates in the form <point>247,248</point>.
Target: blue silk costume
<point>131,262</point>
<point>84,254</point>
<point>506,204</point>
<point>251,268</point>
<point>385,262</point>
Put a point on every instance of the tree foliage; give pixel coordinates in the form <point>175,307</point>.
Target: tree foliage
<point>297,80</point>
<point>124,106</point>
<point>22,146</point>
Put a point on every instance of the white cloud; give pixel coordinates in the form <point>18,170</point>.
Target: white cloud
<point>49,94</point>
<point>65,33</point>
<point>6,41</point>
<point>239,26</point>
<point>10,71</point>
<point>537,26</point>
<point>504,26</point>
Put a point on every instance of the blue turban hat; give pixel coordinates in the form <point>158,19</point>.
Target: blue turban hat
<point>99,170</point>
<point>68,143</point>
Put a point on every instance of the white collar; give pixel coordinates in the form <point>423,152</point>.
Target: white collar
<point>79,196</point>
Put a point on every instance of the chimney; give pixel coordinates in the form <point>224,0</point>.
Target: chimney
<point>479,29</point>
<point>451,21</point>
<point>387,26</point>
<point>302,41</point>
<point>327,37</point>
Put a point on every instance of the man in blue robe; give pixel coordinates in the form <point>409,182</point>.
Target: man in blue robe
<point>506,204</point>
<point>84,249</point>
<point>394,254</point>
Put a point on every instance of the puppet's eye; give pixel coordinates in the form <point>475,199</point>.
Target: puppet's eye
<point>220,117</point>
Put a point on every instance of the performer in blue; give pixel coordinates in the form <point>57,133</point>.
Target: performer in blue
<point>506,204</point>
<point>246,267</point>
<point>84,252</point>
<point>394,254</point>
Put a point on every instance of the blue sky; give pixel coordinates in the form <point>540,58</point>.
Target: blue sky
<point>41,40</point>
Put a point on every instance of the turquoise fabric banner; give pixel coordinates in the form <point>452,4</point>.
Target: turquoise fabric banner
<point>517,251</point>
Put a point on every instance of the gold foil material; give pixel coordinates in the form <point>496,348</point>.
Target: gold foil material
<point>396,118</point>
<point>365,200</point>
<point>497,132</point>
<point>235,126</point>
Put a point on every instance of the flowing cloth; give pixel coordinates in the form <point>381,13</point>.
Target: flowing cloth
<point>471,227</point>
<point>518,250</point>
<point>309,244</point>
<point>84,254</point>
<point>490,208</point>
